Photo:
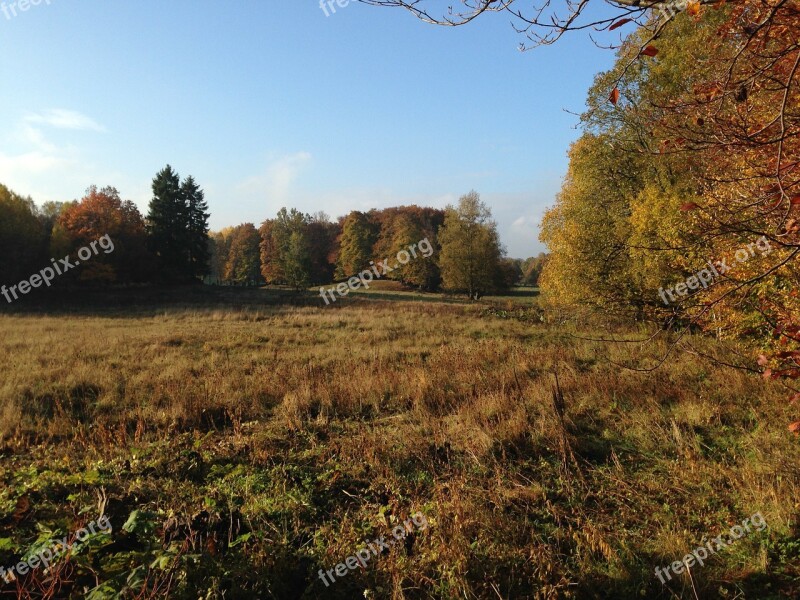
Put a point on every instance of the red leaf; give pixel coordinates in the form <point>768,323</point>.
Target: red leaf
<point>614,97</point>
<point>795,200</point>
<point>650,51</point>
<point>795,428</point>
<point>767,374</point>
<point>689,206</point>
<point>619,24</point>
<point>762,360</point>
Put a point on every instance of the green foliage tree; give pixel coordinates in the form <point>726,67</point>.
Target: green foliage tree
<point>285,249</point>
<point>196,228</point>
<point>470,248</point>
<point>21,236</point>
<point>177,224</point>
<point>297,261</point>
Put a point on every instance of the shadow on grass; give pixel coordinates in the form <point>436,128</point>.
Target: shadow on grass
<point>148,301</point>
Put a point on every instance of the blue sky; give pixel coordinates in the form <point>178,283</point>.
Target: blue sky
<point>270,104</point>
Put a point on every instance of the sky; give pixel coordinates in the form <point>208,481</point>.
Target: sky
<point>272,103</point>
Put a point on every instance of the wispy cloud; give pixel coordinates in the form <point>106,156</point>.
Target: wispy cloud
<point>38,166</point>
<point>60,118</point>
<point>275,183</point>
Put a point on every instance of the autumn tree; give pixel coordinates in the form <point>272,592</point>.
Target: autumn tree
<point>271,263</point>
<point>404,226</point>
<point>359,234</point>
<point>470,248</point>
<point>102,212</point>
<point>691,164</point>
<point>243,265</point>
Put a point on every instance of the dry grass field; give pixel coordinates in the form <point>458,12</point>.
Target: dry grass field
<point>239,443</point>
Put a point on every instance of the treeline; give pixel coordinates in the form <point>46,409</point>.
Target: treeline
<point>300,250</point>
<point>170,244</point>
<point>682,200</point>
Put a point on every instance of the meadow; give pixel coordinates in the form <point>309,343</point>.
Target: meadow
<point>241,440</point>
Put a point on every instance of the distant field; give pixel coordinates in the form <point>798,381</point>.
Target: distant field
<point>240,442</point>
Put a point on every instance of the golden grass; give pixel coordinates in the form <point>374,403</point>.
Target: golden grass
<point>315,428</point>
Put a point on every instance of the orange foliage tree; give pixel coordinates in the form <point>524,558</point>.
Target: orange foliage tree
<point>102,212</point>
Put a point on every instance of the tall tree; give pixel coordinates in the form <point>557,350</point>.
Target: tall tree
<point>167,225</point>
<point>197,228</point>
<point>471,251</point>
<point>177,224</point>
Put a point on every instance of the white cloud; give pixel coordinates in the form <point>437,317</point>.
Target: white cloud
<point>60,118</point>
<point>275,183</point>
<point>39,167</point>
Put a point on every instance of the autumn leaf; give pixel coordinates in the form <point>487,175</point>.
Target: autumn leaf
<point>762,360</point>
<point>795,201</point>
<point>614,97</point>
<point>795,428</point>
<point>689,206</point>
<point>619,24</point>
<point>794,399</point>
<point>767,374</point>
<point>650,50</point>
<point>693,9</point>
